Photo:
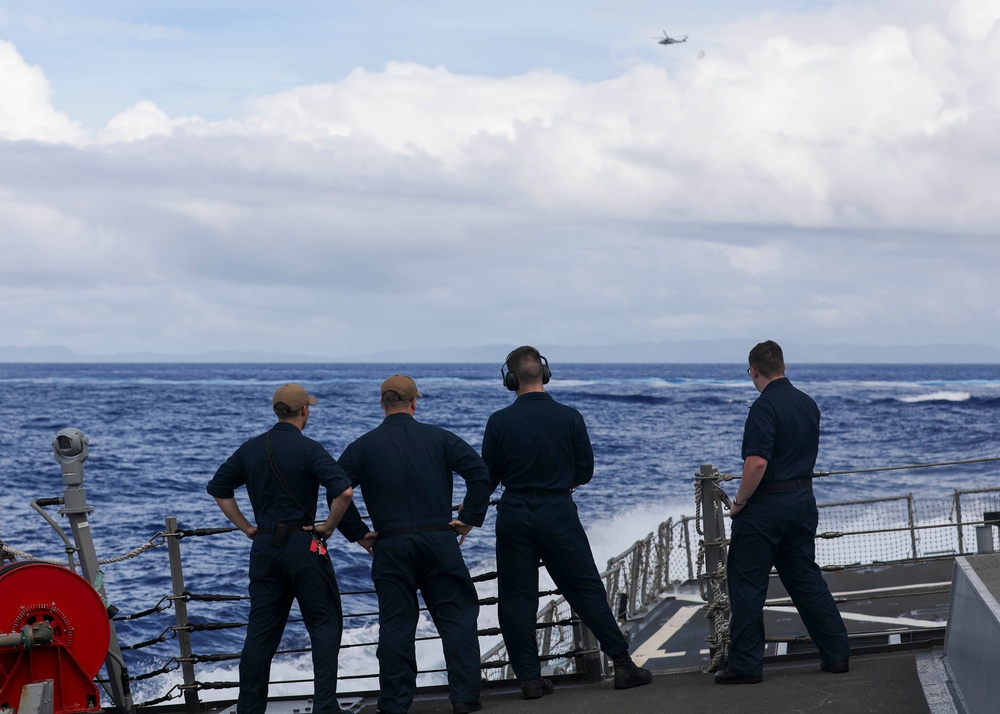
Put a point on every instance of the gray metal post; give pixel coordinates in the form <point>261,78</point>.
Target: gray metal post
<point>591,659</point>
<point>958,523</point>
<point>687,545</point>
<point>191,701</point>
<point>714,529</point>
<point>76,510</point>
<point>984,539</point>
<point>70,447</point>
<point>913,530</point>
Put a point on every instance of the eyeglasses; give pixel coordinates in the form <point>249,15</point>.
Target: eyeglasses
<point>749,372</point>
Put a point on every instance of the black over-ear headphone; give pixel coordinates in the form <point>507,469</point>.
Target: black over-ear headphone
<point>510,379</point>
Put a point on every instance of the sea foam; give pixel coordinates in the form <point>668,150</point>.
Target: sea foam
<point>938,397</point>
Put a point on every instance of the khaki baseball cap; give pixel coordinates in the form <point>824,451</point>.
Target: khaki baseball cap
<point>290,398</point>
<point>404,386</point>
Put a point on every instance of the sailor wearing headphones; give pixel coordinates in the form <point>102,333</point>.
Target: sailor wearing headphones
<point>540,451</point>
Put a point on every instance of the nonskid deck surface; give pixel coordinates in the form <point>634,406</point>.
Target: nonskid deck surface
<point>888,684</point>
<point>670,640</point>
<point>890,599</point>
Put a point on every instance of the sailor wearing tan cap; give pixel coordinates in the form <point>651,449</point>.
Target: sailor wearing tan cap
<point>282,470</point>
<point>405,469</point>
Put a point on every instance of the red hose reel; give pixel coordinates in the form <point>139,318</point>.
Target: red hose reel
<point>36,597</point>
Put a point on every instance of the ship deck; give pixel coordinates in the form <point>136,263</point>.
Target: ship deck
<point>895,615</point>
<point>886,683</point>
<point>902,682</point>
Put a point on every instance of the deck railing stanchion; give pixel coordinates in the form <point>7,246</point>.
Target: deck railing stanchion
<point>191,702</point>
<point>713,531</point>
<point>687,545</point>
<point>590,658</point>
<point>958,521</point>
<point>913,531</point>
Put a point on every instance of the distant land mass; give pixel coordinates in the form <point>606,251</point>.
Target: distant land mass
<point>726,351</point>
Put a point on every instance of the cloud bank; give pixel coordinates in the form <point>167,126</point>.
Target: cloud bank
<point>821,177</point>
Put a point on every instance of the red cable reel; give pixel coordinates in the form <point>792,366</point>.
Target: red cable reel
<point>33,595</point>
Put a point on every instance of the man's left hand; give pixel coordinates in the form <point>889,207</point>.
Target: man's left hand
<point>320,530</point>
<point>461,528</point>
<point>368,542</point>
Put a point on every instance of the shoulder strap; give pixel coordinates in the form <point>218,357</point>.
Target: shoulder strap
<point>281,479</point>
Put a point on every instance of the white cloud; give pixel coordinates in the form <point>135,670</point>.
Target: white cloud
<point>793,131</point>
<point>25,109</point>
<point>976,19</point>
<point>142,121</point>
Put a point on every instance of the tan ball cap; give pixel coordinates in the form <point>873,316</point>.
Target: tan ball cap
<point>404,386</point>
<point>290,398</point>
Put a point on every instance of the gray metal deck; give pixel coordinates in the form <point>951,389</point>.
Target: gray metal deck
<point>887,683</point>
<point>895,615</point>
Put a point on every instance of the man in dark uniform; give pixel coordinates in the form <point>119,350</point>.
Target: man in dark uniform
<point>283,470</point>
<point>540,451</point>
<point>405,469</point>
<point>774,524</point>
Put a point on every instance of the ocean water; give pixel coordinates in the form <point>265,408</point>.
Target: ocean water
<point>158,432</point>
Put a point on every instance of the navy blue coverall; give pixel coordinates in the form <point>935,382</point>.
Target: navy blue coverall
<point>279,575</point>
<point>777,528</point>
<point>539,450</point>
<point>405,470</point>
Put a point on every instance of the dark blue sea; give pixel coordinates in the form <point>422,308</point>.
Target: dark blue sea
<point>158,432</point>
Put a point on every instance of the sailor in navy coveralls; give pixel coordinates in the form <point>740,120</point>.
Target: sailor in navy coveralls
<point>774,524</point>
<point>405,469</point>
<point>286,560</point>
<point>540,451</point>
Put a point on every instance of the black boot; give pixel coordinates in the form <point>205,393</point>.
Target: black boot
<point>628,674</point>
<point>536,688</point>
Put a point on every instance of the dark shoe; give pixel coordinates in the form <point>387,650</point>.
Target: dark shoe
<point>466,707</point>
<point>728,676</point>
<point>836,667</point>
<point>536,688</point>
<point>628,674</point>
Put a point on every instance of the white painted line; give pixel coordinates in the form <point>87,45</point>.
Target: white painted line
<point>894,588</point>
<point>873,591</point>
<point>861,617</point>
<point>650,649</point>
<point>781,649</point>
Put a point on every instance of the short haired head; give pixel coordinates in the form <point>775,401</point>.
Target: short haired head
<point>768,359</point>
<point>399,388</point>
<point>525,365</point>
<point>288,399</point>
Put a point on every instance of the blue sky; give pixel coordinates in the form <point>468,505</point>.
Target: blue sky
<point>208,58</point>
<point>188,177</point>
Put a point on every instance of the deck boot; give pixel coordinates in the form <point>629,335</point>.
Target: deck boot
<point>536,688</point>
<point>628,674</point>
<point>839,667</point>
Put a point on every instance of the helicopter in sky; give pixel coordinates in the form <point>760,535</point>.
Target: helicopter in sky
<point>668,40</point>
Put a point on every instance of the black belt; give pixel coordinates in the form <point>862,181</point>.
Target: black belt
<point>792,484</point>
<point>538,492</point>
<point>429,528</point>
<point>263,530</point>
